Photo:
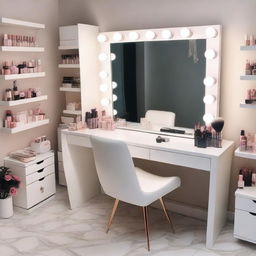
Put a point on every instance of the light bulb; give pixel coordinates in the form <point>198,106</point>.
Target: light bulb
<point>209,81</point>
<point>103,74</point>
<point>210,54</point>
<point>102,38</point>
<point>103,56</point>
<point>114,98</point>
<point>209,99</point>
<point>115,112</point>
<point>150,35</point>
<point>166,34</point>
<point>117,36</point>
<point>114,85</point>
<point>133,35</point>
<point>112,56</point>
<point>211,32</point>
<point>103,87</point>
<point>208,118</point>
<point>105,101</point>
<point>185,32</point>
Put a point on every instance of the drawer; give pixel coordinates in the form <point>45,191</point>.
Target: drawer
<point>40,174</point>
<point>181,159</point>
<point>245,225</point>
<point>245,204</point>
<point>60,156</point>
<point>62,179</point>
<point>40,190</point>
<point>39,165</point>
<point>139,152</point>
<point>79,141</point>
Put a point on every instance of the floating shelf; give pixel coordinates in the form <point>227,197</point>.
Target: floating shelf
<point>24,101</point>
<point>22,76</point>
<point>245,154</point>
<point>248,48</point>
<point>21,49</point>
<point>25,127</point>
<point>248,77</point>
<point>69,65</point>
<point>74,47</point>
<point>72,112</point>
<point>13,22</point>
<point>65,89</point>
<point>244,105</point>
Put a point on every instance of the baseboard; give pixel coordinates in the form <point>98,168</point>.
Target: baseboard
<point>189,210</point>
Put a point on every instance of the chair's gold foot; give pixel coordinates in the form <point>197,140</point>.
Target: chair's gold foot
<point>166,214</point>
<point>112,214</point>
<point>145,215</point>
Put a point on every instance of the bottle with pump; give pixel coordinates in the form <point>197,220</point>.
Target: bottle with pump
<point>243,141</point>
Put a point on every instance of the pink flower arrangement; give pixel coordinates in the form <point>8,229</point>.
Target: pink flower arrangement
<point>8,183</point>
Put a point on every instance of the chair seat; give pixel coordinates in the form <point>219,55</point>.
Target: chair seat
<point>154,186</point>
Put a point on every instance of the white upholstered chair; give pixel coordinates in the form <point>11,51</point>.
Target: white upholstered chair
<point>159,119</point>
<point>123,181</point>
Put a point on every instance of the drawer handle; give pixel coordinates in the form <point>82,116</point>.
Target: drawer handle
<point>252,213</point>
<point>41,179</point>
<point>41,170</point>
<point>40,162</point>
<point>42,189</point>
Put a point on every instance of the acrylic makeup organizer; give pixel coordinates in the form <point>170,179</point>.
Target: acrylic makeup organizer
<point>11,48</point>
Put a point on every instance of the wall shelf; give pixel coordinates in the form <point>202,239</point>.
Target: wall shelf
<point>65,89</point>
<point>20,49</point>
<point>24,101</point>
<point>22,23</point>
<point>69,65</point>
<point>248,77</point>
<point>244,105</point>
<point>25,127</point>
<point>72,112</point>
<point>244,154</point>
<point>74,47</point>
<point>248,48</point>
<point>22,76</point>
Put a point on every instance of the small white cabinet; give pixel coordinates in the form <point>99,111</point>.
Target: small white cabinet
<point>245,214</point>
<point>37,178</point>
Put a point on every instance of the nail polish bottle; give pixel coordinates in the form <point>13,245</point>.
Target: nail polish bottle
<point>240,180</point>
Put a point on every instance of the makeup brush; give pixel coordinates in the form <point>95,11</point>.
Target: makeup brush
<point>217,125</point>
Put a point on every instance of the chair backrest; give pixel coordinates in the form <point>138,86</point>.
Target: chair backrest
<point>115,169</point>
<point>160,118</point>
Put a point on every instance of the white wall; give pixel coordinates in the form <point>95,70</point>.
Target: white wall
<point>40,11</point>
<point>237,18</point>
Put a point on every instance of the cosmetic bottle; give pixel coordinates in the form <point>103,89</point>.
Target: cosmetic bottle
<point>243,141</point>
<point>5,41</point>
<point>16,95</point>
<point>247,175</point>
<point>254,179</point>
<point>246,40</point>
<point>248,68</point>
<point>8,94</point>
<point>240,180</point>
<point>252,42</point>
<point>197,134</point>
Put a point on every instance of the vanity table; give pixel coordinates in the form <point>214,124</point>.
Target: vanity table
<point>83,184</point>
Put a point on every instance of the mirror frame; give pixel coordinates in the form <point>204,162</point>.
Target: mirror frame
<point>211,33</point>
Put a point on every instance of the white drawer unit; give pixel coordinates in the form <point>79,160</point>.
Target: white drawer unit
<point>37,177</point>
<point>245,214</point>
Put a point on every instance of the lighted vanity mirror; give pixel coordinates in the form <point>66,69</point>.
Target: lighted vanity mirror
<point>160,75</point>
<point>172,69</point>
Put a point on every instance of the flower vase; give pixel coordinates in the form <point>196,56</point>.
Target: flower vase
<point>6,207</point>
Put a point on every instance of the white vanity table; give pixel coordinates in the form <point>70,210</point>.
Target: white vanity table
<point>83,184</point>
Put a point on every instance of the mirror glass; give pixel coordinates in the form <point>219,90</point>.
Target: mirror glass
<point>160,75</point>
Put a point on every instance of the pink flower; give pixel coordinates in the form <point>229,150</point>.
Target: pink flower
<point>16,178</point>
<point>13,191</point>
<point>7,177</point>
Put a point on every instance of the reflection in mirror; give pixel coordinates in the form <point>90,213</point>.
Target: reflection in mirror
<point>160,75</point>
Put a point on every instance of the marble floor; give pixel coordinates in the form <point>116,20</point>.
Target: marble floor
<point>54,230</point>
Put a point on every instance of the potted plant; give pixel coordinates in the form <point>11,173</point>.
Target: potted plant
<point>8,187</point>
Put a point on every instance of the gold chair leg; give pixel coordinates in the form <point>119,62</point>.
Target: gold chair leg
<point>166,214</point>
<point>112,214</point>
<point>145,215</point>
